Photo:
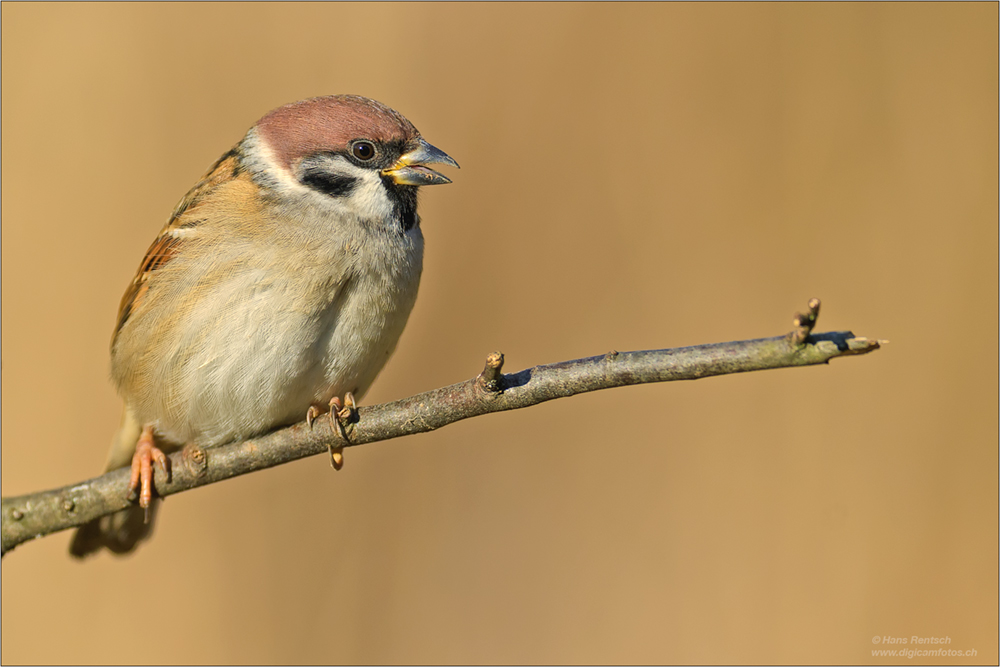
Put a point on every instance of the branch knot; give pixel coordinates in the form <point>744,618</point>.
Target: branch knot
<point>491,379</point>
<point>804,323</point>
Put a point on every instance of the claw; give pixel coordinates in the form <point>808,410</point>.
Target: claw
<point>146,454</point>
<point>161,458</point>
<point>340,413</point>
<point>350,407</point>
<point>311,415</point>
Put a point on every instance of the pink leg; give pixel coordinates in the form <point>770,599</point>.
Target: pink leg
<point>146,452</point>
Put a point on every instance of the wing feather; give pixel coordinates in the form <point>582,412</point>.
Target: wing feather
<point>182,223</point>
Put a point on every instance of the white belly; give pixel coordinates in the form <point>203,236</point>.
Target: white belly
<point>258,351</point>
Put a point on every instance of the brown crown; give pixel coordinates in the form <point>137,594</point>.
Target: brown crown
<point>329,123</point>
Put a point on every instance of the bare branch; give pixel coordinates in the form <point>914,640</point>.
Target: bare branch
<point>38,514</point>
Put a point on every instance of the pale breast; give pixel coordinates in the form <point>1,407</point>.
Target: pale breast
<point>260,344</point>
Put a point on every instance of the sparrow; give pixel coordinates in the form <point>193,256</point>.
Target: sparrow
<point>281,283</point>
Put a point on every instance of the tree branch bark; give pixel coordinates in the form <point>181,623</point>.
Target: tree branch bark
<point>35,515</point>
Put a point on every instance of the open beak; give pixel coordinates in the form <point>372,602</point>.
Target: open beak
<point>411,167</point>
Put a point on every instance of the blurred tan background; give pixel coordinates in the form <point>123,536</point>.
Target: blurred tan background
<point>633,176</point>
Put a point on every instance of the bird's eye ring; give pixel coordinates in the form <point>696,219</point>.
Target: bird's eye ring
<point>363,150</point>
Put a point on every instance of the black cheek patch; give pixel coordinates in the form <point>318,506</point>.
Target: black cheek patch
<point>333,185</point>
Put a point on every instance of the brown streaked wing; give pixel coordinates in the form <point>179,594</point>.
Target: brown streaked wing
<point>167,242</point>
<point>225,169</point>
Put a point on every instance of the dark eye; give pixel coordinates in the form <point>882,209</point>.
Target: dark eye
<point>363,150</point>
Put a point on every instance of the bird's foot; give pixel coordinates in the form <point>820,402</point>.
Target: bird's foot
<point>341,415</point>
<point>146,454</point>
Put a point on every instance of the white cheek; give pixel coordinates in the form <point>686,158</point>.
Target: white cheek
<point>370,199</point>
<point>367,201</point>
